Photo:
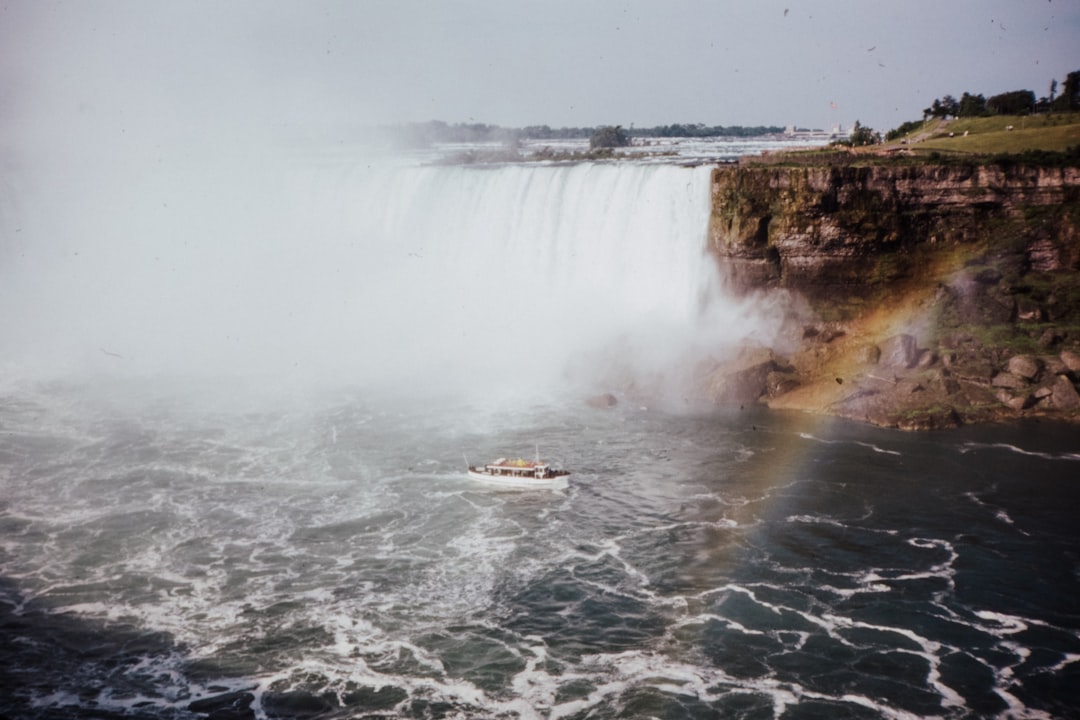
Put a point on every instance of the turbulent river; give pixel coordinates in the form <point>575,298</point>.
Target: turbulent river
<point>333,560</point>
<point>232,452</point>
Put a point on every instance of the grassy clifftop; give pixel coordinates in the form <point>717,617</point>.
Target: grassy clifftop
<point>998,135</point>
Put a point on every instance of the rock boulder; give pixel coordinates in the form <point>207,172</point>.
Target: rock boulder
<point>1025,366</point>
<point>899,351</point>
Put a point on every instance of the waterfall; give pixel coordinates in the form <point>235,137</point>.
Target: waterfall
<point>521,277</point>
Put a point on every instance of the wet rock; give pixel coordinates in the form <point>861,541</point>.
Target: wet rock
<point>1052,365</point>
<point>1071,360</point>
<point>1049,338</point>
<point>778,383</point>
<point>742,386</point>
<point>956,340</point>
<point>1029,311</point>
<point>1064,395</point>
<point>743,379</point>
<point>899,351</point>
<point>976,365</point>
<point>1009,381</point>
<point>831,333</point>
<point>925,360</point>
<point>823,332</point>
<point>909,387</point>
<point>930,419</point>
<point>1025,366</point>
<point>1015,402</point>
<point>602,401</point>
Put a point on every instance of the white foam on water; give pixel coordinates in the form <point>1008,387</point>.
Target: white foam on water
<point>815,520</point>
<point>1003,624</point>
<point>706,618</point>
<point>1066,660</point>
<point>944,570</point>
<point>931,651</point>
<point>1067,456</point>
<point>871,446</point>
<point>848,593</point>
<point>1000,513</point>
<point>616,674</point>
<point>535,687</point>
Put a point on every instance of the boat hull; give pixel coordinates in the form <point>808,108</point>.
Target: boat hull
<point>508,481</point>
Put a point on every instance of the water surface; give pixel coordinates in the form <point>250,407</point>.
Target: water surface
<point>328,557</point>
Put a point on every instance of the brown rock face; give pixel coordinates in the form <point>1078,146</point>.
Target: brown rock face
<point>845,231</point>
<point>943,294</point>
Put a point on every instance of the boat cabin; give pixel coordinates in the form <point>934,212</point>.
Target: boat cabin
<point>518,468</point>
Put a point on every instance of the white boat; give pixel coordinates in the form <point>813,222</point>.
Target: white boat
<point>520,474</point>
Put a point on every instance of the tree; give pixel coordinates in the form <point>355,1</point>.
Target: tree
<point>862,135</point>
<point>1016,102</point>
<point>947,106</point>
<point>1070,93</point>
<point>971,105</point>
<point>904,129</point>
<point>609,137</point>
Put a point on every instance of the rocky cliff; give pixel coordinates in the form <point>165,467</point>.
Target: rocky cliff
<point>933,294</point>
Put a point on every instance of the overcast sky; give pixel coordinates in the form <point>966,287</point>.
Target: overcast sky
<point>228,68</point>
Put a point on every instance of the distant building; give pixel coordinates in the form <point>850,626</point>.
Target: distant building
<point>797,133</point>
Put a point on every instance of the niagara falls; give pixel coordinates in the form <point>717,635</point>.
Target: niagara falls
<point>275,346</point>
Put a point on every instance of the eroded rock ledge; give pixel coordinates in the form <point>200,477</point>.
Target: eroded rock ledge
<point>935,295</point>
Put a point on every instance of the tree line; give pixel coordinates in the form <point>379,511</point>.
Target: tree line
<point>1014,102</point>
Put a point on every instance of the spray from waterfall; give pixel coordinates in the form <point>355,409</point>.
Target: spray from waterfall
<point>336,269</point>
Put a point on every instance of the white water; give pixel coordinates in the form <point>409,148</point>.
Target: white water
<point>485,280</point>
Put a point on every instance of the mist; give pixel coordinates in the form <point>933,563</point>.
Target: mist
<point>181,198</point>
<point>304,265</point>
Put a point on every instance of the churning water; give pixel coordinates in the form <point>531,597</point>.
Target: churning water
<point>334,561</point>
<point>239,489</point>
